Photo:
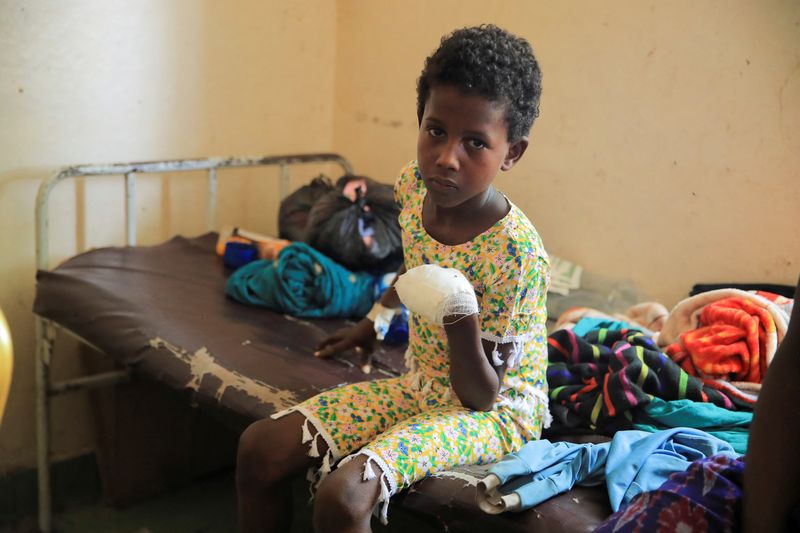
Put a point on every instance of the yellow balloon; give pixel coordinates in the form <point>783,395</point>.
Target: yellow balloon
<point>6,363</point>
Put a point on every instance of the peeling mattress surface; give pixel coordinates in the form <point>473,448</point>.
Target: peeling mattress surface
<point>162,311</point>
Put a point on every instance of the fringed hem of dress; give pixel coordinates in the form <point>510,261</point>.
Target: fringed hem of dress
<point>386,480</point>
<point>315,476</point>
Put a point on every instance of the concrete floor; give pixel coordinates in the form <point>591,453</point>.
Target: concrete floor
<point>206,506</point>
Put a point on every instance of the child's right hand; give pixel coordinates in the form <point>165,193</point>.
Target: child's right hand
<point>359,338</point>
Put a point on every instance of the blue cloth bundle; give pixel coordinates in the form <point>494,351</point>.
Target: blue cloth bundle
<point>303,283</point>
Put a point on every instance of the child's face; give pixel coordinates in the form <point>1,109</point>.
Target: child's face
<point>462,144</point>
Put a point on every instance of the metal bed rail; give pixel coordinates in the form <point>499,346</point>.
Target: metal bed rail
<point>46,330</point>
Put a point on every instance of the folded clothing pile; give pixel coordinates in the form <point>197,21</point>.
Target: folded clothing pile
<point>632,463</point>
<point>304,283</point>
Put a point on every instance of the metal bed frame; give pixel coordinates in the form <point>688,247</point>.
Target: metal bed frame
<point>46,329</point>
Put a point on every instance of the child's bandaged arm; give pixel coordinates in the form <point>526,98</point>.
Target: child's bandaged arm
<point>445,297</point>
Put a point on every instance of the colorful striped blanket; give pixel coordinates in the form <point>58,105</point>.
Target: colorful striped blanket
<point>606,374</point>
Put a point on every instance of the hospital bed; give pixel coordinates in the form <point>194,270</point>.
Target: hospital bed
<point>161,314</point>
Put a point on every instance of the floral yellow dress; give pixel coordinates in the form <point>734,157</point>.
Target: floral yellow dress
<point>412,426</point>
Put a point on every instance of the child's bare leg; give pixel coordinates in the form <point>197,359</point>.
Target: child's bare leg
<point>270,454</point>
<point>344,501</point>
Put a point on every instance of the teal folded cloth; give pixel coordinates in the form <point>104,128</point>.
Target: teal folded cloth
<point>591,323</point>
<point>303,282</point>
<point>731,426</point>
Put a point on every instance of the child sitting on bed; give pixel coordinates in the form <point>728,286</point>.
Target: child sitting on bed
<point>476,387</point>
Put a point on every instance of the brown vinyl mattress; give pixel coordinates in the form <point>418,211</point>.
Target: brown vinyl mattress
<point>162,311</point>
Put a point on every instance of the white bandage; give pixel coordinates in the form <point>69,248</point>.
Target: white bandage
<point>382,318</point>
<point>435,292</point>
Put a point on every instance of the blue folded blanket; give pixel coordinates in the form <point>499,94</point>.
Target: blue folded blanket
<point>304,283</point>
<point>633,462</point>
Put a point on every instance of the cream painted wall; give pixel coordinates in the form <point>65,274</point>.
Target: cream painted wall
<point>662,123</point>
<point>668,146</point>
<point>100,81</point>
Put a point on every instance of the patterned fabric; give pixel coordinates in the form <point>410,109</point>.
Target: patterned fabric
<point>706,497</point>
<point>414,425</point>
<point>736,340</point>
<point>604,375</point>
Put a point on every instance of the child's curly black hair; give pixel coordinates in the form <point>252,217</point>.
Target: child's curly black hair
<point>490,62</point>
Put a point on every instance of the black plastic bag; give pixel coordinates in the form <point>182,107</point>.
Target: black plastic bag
<point>362,233</point>
<point>294,209</point>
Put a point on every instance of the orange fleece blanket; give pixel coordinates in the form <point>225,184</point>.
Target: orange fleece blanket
<point>735,340</point>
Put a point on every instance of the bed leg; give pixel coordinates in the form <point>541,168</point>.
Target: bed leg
<point>45,335</point>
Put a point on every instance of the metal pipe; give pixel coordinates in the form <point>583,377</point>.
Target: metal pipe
<point>284,183</point>
<point>212,199</point>
<point>130,209</point>
<point>42,216</point>
<point>44,350</point>
<point>180,165</point>
<point>90,382</point>
<point>175,165</point>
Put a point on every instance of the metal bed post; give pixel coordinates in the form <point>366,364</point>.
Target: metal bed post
<point>44,351</point>
<point>130,209</point>
<point>284,187</point>
<point>212,199</point>
<point>46,330</point>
